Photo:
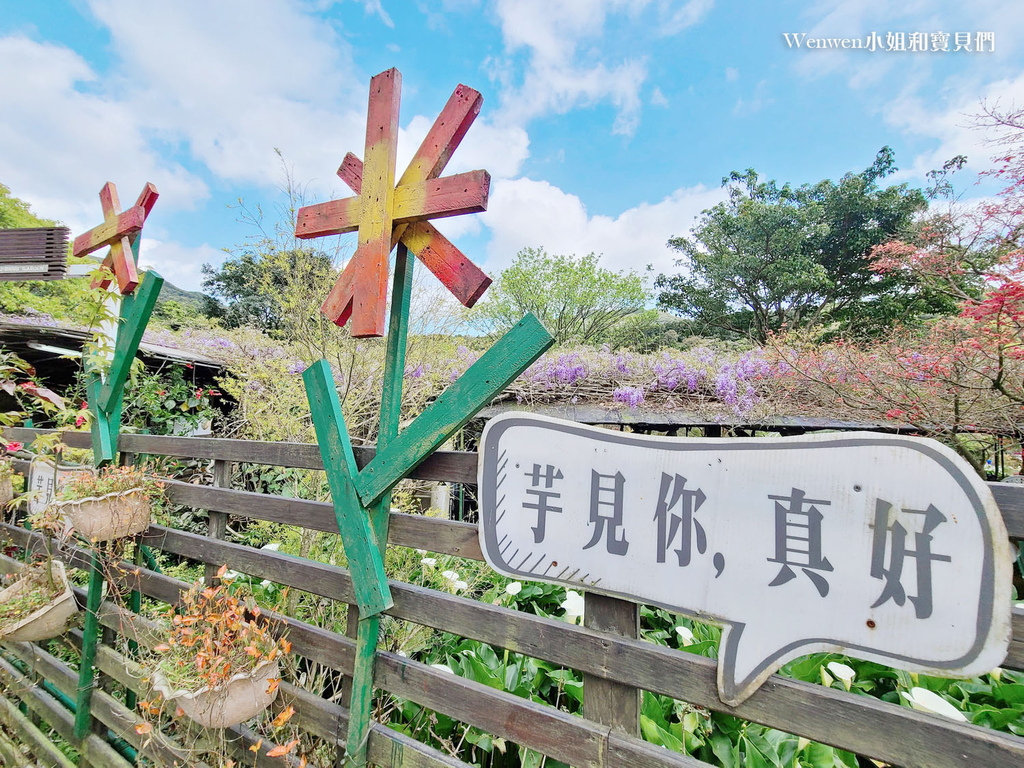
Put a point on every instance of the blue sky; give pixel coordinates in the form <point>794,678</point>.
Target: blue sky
<point>607,125</point>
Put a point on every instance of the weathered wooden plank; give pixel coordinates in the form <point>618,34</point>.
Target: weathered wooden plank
<point>334,217</point>
<point>42,748</point>
<point>444,466</point>
<point>11,754</point>
<point>558,734</point>
<point>443,536</point>
<point>447,537</point>
<point>444,135</point>
<point>457,273</point>
<point>370,261</point>
<point>1015,655</point>
<point>217,522</point>
<point>93,749</point>
<point>801,708</point>
<point>500,365</point>
<point>1010,499</point>
<point>606,701</point>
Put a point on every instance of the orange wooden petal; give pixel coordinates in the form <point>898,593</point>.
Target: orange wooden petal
<point>125,269</point>
<point>457,273</point>
<point>109,201</point>
<point>439,198</point>
<point>147,199</point>
<point>125,224</point>
<point>334,217</point>
<point>444,136</point>
<point>338,305</point>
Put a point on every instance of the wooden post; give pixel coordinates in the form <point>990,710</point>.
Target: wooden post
<point>368,628</point>
<point>90,634</point>
<point>606,701</point>
<point>217,522</point>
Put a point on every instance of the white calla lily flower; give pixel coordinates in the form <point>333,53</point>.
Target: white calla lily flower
<point>928,701</point>
<point>573,606</point>
<point>842,672</point>
<point>686,637</point>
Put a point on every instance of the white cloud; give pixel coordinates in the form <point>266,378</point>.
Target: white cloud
<point>233,80</point>
<point>498,149</point>
<point>374,7</point>
<point>557,77</point>
<point>732,74</point>
<point>674,20</point>
<point>658,99</point>
<point>757,101</point>
<point>527,213</point>
<point>951,123</point>
<point>179,264</point>
<point>62,140</point>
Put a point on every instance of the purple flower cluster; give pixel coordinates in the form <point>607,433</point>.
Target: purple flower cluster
<point>565,370</point>
<point>733,382</point>
<point>671,374</point>
<point>631,396</point>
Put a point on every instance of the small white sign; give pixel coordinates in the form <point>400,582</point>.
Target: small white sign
<point>41,483</point>
<point>884,547</point>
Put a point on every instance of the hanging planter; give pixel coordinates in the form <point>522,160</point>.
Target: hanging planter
<point>32,609</point>
<point>220,663</point>
<point>241,698</point>
<point>113,504</point>
<point>110,516</point>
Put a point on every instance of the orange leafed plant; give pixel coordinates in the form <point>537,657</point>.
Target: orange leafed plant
<point>283,749</point>
<point>215,634</point>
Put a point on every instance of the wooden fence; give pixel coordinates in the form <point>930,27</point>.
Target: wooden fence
<point>615,664</point>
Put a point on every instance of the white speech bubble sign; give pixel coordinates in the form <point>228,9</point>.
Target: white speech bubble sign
<point>884,547</point>
<point>43,483</point>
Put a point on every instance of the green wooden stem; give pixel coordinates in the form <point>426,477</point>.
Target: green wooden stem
<point>90,635</point>
<point>106,397</point>
<point>136,310</point>
<point>361,703</point>
<point>105,424</point>
<point>135,604</point>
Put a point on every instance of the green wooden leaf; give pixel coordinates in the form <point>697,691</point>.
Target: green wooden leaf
<point>136,310</point>
<point>365,562</point>
<point>487,377</point>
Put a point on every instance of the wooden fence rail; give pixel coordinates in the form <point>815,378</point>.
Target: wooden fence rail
<point>621,664</point>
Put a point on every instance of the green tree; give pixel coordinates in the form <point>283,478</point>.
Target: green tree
<point>254,284</point>
<point>15,213</point>
<point>780,256</point>
<point>575,298</point>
